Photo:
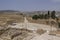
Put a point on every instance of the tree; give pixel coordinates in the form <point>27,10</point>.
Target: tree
<point>53,15</point>
<point>35,17</point>
<point>41,16</point>
<point>48,14</point>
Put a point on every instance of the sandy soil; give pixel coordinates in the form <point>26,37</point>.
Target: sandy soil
<point>34,27</point>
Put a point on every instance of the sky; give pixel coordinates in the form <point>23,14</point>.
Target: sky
<point>30,5</point>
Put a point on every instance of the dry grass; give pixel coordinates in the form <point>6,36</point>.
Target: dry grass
<point>14,33</point>
<point>4,18</point>
<point>55,32</point>
<point>43,21</point>
<point>39,21</point>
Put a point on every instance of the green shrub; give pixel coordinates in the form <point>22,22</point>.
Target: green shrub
<point>35,17</point>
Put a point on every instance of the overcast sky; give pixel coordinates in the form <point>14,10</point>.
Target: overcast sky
<point>30,5</point>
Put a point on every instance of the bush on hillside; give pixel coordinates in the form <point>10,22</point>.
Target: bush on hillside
<point>35,17</point>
